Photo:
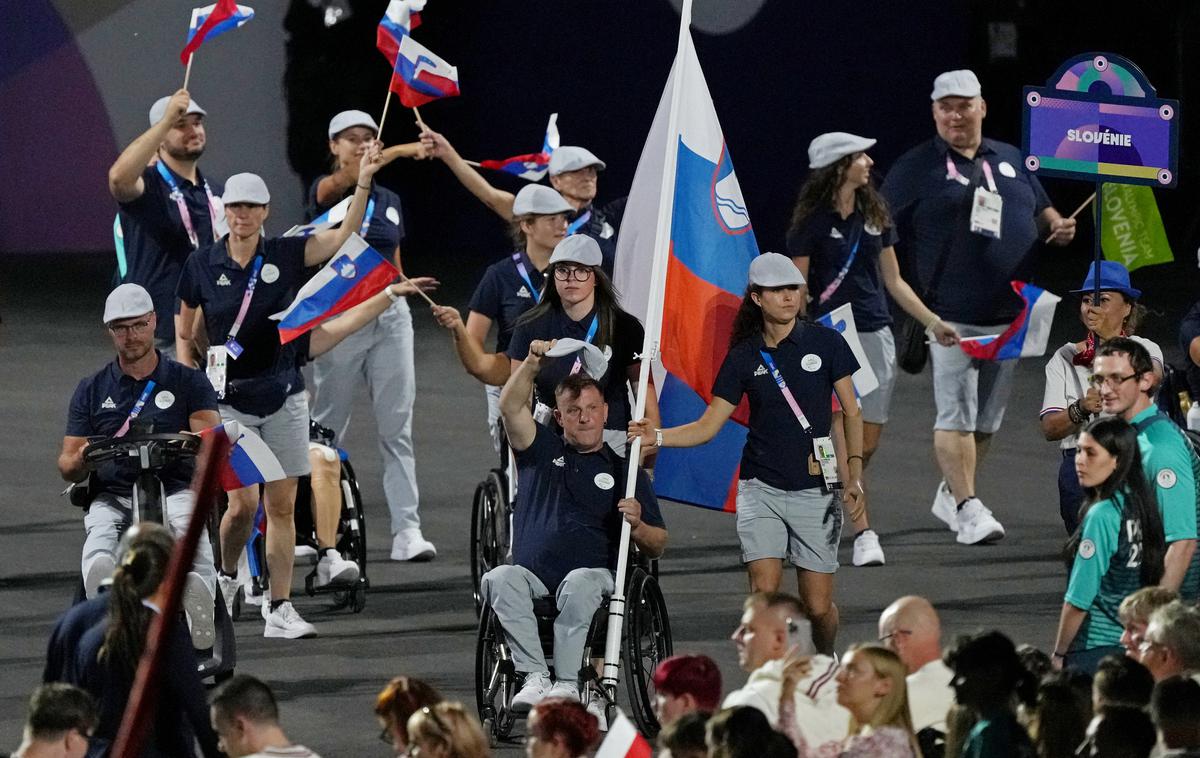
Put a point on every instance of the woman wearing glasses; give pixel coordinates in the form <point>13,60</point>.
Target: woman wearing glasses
<point>1068,402</point>
<point>445,730</point>
<point>1118,548</point>
<point>582,304</point>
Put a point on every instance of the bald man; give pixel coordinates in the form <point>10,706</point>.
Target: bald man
<point>910,628</point>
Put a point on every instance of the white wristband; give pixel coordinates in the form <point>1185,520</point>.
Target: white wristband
<point>391,295</point>
<point>658,437</point>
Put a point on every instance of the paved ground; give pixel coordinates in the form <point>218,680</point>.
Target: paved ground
<point>418,618</point>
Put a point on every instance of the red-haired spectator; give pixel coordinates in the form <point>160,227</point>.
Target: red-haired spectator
<point>561,728</point>
<point>686,684</point>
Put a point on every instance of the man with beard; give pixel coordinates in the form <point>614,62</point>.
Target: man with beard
<point>168,209</point>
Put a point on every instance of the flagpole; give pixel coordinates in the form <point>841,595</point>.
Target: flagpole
<point>650,345</point>
<point>383,116</point>
<point>1078,210</point>
<point>420,123</point>
<point>420,291</point>
<point>187,72</point>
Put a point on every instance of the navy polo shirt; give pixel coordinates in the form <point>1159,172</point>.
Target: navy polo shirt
<point>932,212</point>
<point>626,345</point>
<point>810,359</point>
<point>566,513</point>
<point>386,225</point>
<point>156,242</point>
<point>602,226</point>
<point>503,295</point>
<point>102,402</point>
<point>827,239</point>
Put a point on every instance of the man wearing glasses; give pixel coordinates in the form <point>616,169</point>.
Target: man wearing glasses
<point>1172,642</point>
<point>911,629</point>
<point>1124,374</point>
<point>143,388</point>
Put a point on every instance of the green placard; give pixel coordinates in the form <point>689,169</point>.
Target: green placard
<point>1131,229</point>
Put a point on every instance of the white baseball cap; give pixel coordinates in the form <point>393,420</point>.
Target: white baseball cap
<point>246,188</point>
<point>159,109</point>
<point>775,270</point>
<point>347,119</point>
<point>959,83</point>
<point>571,158</point>
<point>540,200</point>
<point>577,248</point>
<point>831,147</point>
<point>127,301</point>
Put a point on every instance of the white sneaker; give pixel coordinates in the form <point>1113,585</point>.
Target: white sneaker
<point>285,622</point>
<point>595,706</point>
<point>229,588</point>
<point>532,692</point>
<point>409,545</point>
<point>251,596</point>
<point>944,506</point>
<point>100,569</point>
<point>305,553</point>
<point>867,551</point>
<point>199,604</point>
<point>976,524</point>
<point>565,690</point>
<point>334,568</point>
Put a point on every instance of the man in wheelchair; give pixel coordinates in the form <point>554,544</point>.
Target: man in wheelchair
<point>139,389</point>
<point>567,527</point>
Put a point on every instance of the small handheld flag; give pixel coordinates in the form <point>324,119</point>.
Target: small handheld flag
<point>532,166</point>
<point>1026,336</point>
<point>250,461</point>
<point>400,18</point>
<point>212,20</point>
<point>355,273</point>
<point>623,741</point>
<point>420,76</point>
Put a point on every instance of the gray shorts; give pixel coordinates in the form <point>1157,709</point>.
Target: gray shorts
<point>802,526</point>
<point>970,394</point>
<point>285,431</point>
<point>880,349</point>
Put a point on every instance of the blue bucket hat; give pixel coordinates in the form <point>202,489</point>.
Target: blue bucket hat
<point>1113,278</point>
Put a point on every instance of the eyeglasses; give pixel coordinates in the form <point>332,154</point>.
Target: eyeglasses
<point>137,327</point>
<point>1112,382</point>
<point>885,639</point>
<point>1145,646</point>
<point>385,735</point>
<point>578,273</point>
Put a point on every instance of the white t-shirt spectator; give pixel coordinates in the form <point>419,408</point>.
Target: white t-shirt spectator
<point>930,695</point>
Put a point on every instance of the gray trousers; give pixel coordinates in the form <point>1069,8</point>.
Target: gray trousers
<point>381,354</point>
<point>510,591</point>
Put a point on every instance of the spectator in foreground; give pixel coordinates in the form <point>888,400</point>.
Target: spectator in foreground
<point>446,730</point>
<point>396,703</point>
<point>987,676</point>
<point>1120,680</point>
<point>245,717</point>
<point>1061,717</point>
<point>744,732</point>
<point>560,728</point>
<point>684,737</point>
<point>910,628</point>
<point>1134,613</point>
<point>1172,642</point>
<point>60,721</point>
<point>685,684</point>
<point>1175,707</point>
<point>1119,732</point>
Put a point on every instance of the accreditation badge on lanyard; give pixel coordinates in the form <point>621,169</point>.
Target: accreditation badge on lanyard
<point>987,206</point>
<point>232,347</point>
<point>824,457</point>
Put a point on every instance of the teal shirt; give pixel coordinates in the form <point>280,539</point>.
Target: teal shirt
<point>1107,569</point>
<point>998,735</point>
<point>1170,466</point>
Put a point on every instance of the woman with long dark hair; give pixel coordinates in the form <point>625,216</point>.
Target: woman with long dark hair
<point>1118,548</point>
<point>787,504</point>
<point>109,653</point>
<point>841,238</point>
<point>581,303</point>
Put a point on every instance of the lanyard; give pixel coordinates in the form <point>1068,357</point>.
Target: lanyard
<point>787,393</point>
<point>137,409</point>
<point>249,294</point>
<point>583,219</point>
<point>837,280</point>
<point>184,214</point>
<point>952,173</point>
<point>591,335</point>
<point>533,291</point>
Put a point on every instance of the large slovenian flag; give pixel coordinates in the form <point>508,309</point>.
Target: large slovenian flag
<point>686,204</point>
<point>211,20</point>
<point>400,18</point>
<point>355,273</point>
<point>533,166</point>
<point>420,76</point>
<point>250,461</point>
<point>1026,336</point>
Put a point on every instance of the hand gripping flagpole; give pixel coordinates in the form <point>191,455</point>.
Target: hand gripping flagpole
<point>650,345</point>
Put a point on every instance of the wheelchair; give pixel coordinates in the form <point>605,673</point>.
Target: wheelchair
<point>151,452</point>
<point>645,641</point>
<point>491,521</point>
<point>351,539</point>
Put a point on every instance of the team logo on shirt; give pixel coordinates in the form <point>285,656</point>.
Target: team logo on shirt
<point>811,362</point>
<point>1166,478</point>
<point>560,461</point>
<point>393,215</point>
<point>223,281</point>
<point>270,273</point>
<point>872,230</point>
<point>108,404</point>
<point>835,234</point>
<point>164,399</point>
<point>523,292</point>
<point>1087,549</point>
<point>1006,169</point>
<point>761,370</point>
<point>604,481</point>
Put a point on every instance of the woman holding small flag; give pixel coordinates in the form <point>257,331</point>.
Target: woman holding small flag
<point>841,239</point>
<point>509,288</point>
<point>237,283</point>
<point>382,351</point>
<point>787,504</point>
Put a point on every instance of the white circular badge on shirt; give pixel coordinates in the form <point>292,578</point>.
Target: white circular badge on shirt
<point>393,215</point>
<point>872,230</point>
<point>1007,169</point>
<point>270,273</point>
<point>1087,549</point>
<point>164,399</point>
<point>811,362</point>
<point>1166,478</point>
<point>604,481</point>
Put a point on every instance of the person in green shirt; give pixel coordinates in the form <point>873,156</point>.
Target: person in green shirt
<point>987,675</point>
<point>1124,374</point>
<point>1117,549</point>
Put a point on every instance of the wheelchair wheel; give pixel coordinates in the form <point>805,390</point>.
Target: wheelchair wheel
<point>645,643</point>
<point>495,679</point>
<point>353,537</point>
<point>489,530</point>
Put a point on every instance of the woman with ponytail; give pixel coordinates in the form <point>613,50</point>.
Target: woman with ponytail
<point>109,654</point>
